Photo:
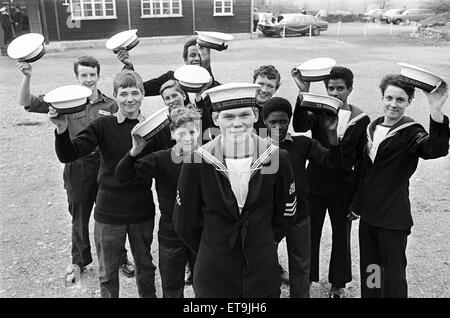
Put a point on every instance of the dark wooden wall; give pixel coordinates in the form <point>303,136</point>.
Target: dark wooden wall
<point>148,27</point>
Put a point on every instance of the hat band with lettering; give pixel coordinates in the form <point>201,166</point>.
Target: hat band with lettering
<point>314,106</point>
<point>129,46</point>
<point>214,46</point>
<point>234,103</point>
<point>317,78</point>
<point>426,87</point>
<point>69,110</point>
<point>160,127</point>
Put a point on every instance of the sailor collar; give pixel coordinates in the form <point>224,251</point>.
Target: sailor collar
<point>213,155</point>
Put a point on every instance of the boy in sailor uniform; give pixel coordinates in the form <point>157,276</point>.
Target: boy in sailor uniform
<point>395,144</point>
<point>165,167</point>
<point>333,190</point>
<point>277,117</point>
<point>235,200</point>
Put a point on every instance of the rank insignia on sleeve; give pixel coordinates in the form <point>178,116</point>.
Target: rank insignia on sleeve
<point>292,188</point>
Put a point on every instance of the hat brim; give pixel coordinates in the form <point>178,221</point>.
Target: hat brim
<point>410,81</point>
<point>128,47</point>
<point>318,78</point>
<point>214,46</point>
<point>319,108</point>
<point>70,110</point>
<point>156,130</point>
<point>37,57</point>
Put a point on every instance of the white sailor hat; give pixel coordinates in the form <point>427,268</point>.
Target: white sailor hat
<point>418,77</point>
<point>321,103</point>
<point>192,77</point>
<point>27,47</point>
<point>316,69</point>
<point>123,40</point>
<point>68,99</point>
<point>232,95</point>
<point>153,124</point>
<point>214,40</point>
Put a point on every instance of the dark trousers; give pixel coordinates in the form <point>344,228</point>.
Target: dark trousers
<point>110,242</point>
<point>80,182</point>
<point>172,263</point>
<point>255,25</point>
<point>340,268</point>
<point>382,262</point>
<point>298,242</point>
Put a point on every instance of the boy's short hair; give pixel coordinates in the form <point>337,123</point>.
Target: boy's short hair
<point>86,60</point>
<point>128,78</point>
<point>171,84</point>
<point>340,72</point>
<point>268,71</point>
<point>394,80</point>
<point>187,44</point>
<point>277,104</point>
<point>182,115</point>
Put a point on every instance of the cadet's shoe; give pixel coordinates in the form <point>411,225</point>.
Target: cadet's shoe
<point>336,292</point>
<point>127,269</point>
<point>73,272</point>
<point>188,276</point>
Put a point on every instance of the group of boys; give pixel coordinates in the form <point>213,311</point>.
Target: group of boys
<point>225,205</point>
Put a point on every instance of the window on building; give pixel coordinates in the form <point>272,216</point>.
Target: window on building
<point>93,9</point>
<point>223,7</point>
<point>161,8</point>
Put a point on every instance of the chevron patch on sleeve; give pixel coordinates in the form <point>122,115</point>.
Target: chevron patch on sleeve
<point>290,208</point>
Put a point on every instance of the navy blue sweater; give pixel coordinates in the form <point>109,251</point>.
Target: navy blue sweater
<point>115,203</point>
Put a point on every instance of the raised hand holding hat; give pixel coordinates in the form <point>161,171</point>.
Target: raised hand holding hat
<point>60,121</point>
<point>124,57</point>
<point>436,100</point>
<point>302,85</point>
<point>25,68</point>
<point>138,144</point>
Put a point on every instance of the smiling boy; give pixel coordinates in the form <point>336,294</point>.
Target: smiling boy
<point>235,199</point>
<point>333,190</point>
<point>120,210</point>
<point>80,176</point>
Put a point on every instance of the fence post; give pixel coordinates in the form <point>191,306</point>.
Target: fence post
<point>390,28</point>
<point>310,31</point>
<point>284,31</point>
<point>339,28</point>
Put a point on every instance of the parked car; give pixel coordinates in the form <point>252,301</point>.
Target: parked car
<point>390,13</point>
<point>373,15</point>
<point>412,15</point>
<point>294,24</point>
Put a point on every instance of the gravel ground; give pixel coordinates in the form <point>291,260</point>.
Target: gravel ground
<point>35,224</point>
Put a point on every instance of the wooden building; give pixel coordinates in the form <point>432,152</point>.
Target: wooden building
<point>65,20</point>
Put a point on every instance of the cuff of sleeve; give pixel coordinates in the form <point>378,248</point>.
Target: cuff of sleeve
<point>64,135</point>
<point>437,124</point>
<point>129,157</point>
